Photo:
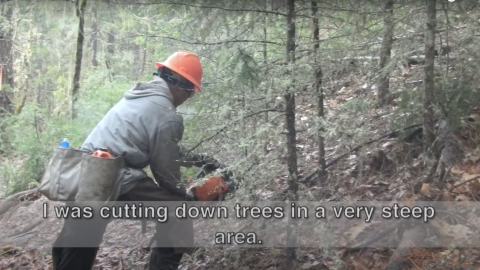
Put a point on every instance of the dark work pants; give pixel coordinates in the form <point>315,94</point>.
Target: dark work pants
<point>75,258</point>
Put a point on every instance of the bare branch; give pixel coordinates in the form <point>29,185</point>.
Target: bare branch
<point>218,42</point>
<point>204,6</point>
<point>230,124</point>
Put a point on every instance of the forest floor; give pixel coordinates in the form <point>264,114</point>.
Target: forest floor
<point>384,170</point>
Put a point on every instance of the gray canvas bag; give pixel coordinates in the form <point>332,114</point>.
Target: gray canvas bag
<point>76,175</point>
<point>99,179</point>
<point>62,175</point>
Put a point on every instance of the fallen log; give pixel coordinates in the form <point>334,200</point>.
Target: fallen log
<point>15,199</point>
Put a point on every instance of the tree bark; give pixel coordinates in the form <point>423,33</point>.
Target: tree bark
<point>383,84</point>
<point>6,58</point>
<point>428,117</point>
<point>265,74</point>
<point>144,55</point>
<point>94,37</point>
<point>110,48</point>
<point>319,90</point>
<point>110,51</point>
<point>78,57</point>
<point>291,132</point>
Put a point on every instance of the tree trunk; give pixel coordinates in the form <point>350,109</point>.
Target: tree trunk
<point>78,57</point>
<point>428,117</point>
<point>265,74</point>
<point>110,51</point>
<point>385,53</point>
<point>6,58</point>
<point>22,84</point>
<point>94,37</point>
<point>291,132</point>
<point>110,48</point>
<point>144,55</point>
<point>318,88</point>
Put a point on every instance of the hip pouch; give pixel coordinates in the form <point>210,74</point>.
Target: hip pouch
<point>99,179</point>
<point>62,175</point>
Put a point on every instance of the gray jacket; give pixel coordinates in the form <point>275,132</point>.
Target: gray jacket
<point>145,125</point>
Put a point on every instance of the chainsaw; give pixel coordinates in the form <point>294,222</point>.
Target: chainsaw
<point>218,182</point>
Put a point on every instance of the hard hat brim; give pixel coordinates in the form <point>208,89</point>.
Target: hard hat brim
<point>195,83</point>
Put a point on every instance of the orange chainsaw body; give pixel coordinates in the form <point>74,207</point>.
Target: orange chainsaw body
<point>211,189</point>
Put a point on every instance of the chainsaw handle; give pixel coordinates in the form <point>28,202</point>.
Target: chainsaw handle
<point>208,169</point>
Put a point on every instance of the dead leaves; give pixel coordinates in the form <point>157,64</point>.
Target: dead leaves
<point>23,259</point>
<point>425,189</point>
<point>467,183</point>
<point>356,230</point>
<point>447,196</point>
<point>310,265</point>
<point>458,232</point>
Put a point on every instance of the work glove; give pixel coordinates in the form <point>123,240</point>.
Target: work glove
<point>209,162</point>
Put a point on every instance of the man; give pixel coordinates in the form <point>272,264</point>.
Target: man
<point>145,125</point>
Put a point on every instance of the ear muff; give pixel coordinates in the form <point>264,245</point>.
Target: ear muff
<point>167,75</point>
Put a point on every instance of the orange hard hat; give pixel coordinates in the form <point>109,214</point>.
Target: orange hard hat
<point>187,64</point>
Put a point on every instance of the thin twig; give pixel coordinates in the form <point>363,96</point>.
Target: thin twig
<point>463,183</point>
<point>219,42</point>
<point>8,251</point>
<point>229,125</point>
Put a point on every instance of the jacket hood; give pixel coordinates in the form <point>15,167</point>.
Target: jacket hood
<point>155,87</point>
